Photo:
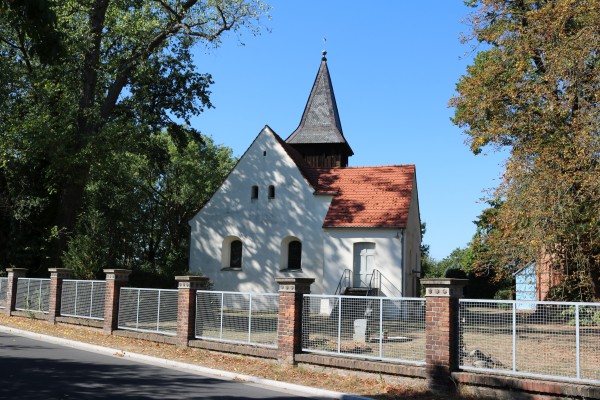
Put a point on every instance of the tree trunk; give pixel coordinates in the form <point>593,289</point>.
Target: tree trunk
<point>69,208</point>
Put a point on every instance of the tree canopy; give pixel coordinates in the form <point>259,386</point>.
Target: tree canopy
<point>94,136</point>
<point>533,88</point>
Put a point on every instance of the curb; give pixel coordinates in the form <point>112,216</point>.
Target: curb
<point>196,369</point>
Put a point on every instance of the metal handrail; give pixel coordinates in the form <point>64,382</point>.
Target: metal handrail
<point>375,276</point>
<point>344,279</point>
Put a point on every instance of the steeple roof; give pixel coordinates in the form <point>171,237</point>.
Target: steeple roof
<point>320,122</point>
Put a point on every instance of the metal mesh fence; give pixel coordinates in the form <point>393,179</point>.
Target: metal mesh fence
<point>546,339</point>
<point>3,283</point>
<point>83,299</point>
<point>365,327</point>
<point>247,318</point>
<point>33,294</point>
<point>148,310</point>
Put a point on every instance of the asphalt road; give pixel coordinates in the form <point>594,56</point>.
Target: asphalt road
<point>32,369</point>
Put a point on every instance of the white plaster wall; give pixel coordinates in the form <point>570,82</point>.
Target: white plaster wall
<point>261,224</point>
<point>412,243</point>
<point>339,254</point>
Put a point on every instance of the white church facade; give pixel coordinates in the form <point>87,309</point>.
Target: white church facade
<point>295,208</point>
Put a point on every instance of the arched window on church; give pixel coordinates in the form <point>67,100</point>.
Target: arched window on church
<point>294,255</point>
<point>235,254</point>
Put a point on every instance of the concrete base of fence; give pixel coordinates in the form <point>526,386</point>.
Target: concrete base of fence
<point>363,365</point>
<point>151,337</point>
<point>507,387</point>
<point>93,323</point>
<point>246,350</point>
<point>30,314</point>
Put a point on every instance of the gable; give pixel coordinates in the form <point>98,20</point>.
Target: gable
<point>268,161</point>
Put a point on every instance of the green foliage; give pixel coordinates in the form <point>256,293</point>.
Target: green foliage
<point>430,268</point>
<point>98,166</point>
<point>139,206</point>
<point>533,88</point>
<point>505,294</point>
<point>461,264</point>
<point>35,20</point>
<point>455,272</point>
<point>588,316</point>
<point>424,247</point>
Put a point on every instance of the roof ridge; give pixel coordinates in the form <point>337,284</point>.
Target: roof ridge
<point>372,166</point>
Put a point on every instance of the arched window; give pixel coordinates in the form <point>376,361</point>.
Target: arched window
<point>235,254</point>
<point>271,192</point>
<point>294,255</point>
<point>231,252</point>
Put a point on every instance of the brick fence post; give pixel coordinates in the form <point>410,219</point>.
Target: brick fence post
<point>115,280</point>
<point>186,306</point>
<point>57,275</point>
<point>442,331</point>
<point>289,327</point>
<point>11,287</point>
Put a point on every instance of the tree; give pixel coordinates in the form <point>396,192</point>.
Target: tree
<point>126,74</point>
<point>34,22</point>
<point>138,206</point>
<point>427,263</point>
<point>533,88</point>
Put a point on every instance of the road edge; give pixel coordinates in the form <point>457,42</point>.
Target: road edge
<point>178,365</point>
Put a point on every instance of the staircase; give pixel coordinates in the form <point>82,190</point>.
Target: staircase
<point>370,287</point>
<point>360,291</point>
<point>353,307</point>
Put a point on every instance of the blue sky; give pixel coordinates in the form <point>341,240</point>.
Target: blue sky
<point>394,66</point>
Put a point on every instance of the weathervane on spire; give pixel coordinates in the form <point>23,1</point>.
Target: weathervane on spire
<point>324,52</point>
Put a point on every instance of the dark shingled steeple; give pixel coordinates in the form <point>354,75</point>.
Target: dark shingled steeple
<point>319,137</point>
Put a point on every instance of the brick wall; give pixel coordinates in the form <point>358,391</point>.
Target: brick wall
<point>289,333</point>
<point>115,280</point>
<point>441,330</point>
<point>57,275</point>
<point>186,306</point>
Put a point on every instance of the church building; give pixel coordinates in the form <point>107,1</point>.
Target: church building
<point>295,207</point>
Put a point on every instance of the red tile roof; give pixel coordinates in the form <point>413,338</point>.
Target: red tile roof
<point>370,197</point>
<point>363,197</point>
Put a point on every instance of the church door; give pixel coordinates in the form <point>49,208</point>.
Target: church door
<point>364,263</point>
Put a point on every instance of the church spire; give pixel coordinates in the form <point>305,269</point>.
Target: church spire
<point>319,137</point>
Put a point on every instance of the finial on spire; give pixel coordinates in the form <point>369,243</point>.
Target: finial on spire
<point>324,54</point>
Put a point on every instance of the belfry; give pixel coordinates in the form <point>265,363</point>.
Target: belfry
<point>319,137</point>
